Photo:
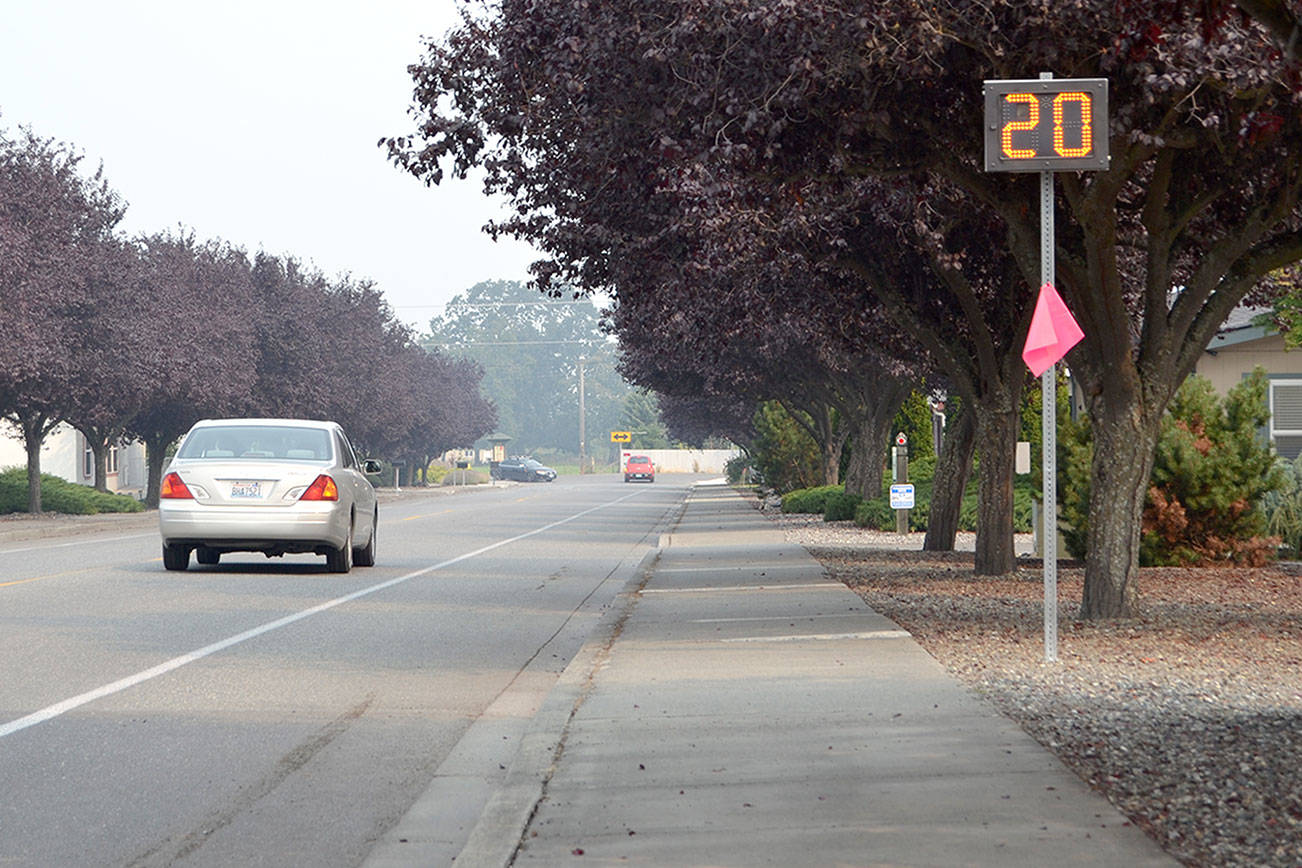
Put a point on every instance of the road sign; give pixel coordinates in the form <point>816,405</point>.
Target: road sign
<point>1046,125</point>
<point>621,436</point>
<point>902,495</point>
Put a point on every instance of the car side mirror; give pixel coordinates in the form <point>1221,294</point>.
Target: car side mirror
<point>371,467</point>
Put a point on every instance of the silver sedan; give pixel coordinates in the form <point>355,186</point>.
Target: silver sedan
<point>276,486</point>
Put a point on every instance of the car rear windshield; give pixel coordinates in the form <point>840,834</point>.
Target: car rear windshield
<point>639,459</point>
<point>257,442</point>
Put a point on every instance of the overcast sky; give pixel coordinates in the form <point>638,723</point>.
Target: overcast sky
<point>256,121</point>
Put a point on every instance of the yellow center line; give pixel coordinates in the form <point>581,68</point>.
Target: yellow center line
<point>426,515</point>
<point>50,576</point>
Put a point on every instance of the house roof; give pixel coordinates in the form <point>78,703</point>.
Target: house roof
<point>1241,326</point>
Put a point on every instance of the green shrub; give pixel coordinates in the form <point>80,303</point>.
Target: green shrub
<point>1283,509</point>
<point>812,500</point>
<point>58,495</point>
<point>738,469</point>
<point>875,514</point>
<point>1211,473</point>
<point>840,506</point>
<point>783,452</point>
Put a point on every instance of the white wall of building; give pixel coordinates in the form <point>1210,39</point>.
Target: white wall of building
<point>59,454</point>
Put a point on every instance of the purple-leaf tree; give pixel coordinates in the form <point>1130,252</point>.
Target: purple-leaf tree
<point>601,121</point>
<point>56,223</point>
<point>196,341</point>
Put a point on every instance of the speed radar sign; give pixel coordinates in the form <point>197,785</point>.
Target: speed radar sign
<point>1046,125</point>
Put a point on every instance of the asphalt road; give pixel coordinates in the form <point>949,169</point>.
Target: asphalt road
<point>267,712</point>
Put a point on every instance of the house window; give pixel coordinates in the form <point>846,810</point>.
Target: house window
<point>88,463</point>
<point>1286,417</point>
<point>111,460</point>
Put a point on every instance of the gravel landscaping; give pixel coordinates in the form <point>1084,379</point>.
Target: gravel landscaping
<point>1188,718</point>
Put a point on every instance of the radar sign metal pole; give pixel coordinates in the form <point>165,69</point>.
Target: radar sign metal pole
<point>1049,433</point>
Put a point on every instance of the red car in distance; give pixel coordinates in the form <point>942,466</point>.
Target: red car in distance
<point>639,467</point>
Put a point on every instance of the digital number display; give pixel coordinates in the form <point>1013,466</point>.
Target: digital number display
<point>1046,125</point>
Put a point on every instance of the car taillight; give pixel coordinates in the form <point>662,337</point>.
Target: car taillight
<point>322,488</point>
<point>174,489</point>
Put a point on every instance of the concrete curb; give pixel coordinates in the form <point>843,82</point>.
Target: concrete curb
<point>494,840</point>
<point>497,836</point>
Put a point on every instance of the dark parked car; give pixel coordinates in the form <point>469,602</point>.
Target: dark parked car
<point>522,470</point>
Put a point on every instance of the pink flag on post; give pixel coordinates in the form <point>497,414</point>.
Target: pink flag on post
<point>1053,332</point>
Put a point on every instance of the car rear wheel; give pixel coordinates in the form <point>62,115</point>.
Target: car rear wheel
<point>176,557</point>
<point>206,556</point>
<point>340,560</point>
<point>365,557</point>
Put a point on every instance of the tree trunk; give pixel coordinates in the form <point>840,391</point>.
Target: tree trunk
<point>34,426</point>
<point>871,429</point>
<point>833,444</point>
<point>1124,446</point>
<point>155,455</point>
<point>32,440</point>
<point>99,451</point>
<point>996,428</point>
<point>953,467</point>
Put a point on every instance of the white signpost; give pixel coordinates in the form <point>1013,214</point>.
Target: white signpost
<point>1046,125</point>
<point>902,495</point>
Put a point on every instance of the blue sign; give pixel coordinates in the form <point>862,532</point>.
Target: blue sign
<point>902,495</point>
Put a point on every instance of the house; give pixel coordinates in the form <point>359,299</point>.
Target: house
<point>66,455</point>
<point>1241,345</point>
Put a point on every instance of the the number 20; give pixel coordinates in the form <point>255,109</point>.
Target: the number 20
<point>1033,121</point>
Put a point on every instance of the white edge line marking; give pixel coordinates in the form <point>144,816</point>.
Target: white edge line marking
<point>78,542</point>
<point>53,711</point>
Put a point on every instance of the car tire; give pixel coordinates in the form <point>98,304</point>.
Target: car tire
<point>340,560</point>
<point>176,558</point>
<point>206,556</point>
<point>365,556</point>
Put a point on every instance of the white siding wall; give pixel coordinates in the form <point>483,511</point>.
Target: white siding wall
<point>59,454</point>
<point>1231,363</point>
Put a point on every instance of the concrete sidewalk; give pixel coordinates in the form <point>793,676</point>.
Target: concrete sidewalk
<point>738,708</point>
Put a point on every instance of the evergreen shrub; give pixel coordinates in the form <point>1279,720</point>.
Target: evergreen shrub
<point>59,495</point>
<point>735,469</point>
<point>1283,509</point>
<point>783,452</point>
<point>812,500</point>
<point>875,514</point>
<point>1212,470</point>
<point>840,506</point>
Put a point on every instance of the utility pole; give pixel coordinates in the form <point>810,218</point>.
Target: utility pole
<point>583,439</point>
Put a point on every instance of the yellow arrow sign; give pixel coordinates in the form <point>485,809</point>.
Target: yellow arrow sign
<point>621,436</point>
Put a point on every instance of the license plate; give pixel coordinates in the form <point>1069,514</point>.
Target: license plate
<point>246,489</point>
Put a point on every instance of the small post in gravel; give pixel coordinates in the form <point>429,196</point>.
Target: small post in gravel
<point>901,488</point>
